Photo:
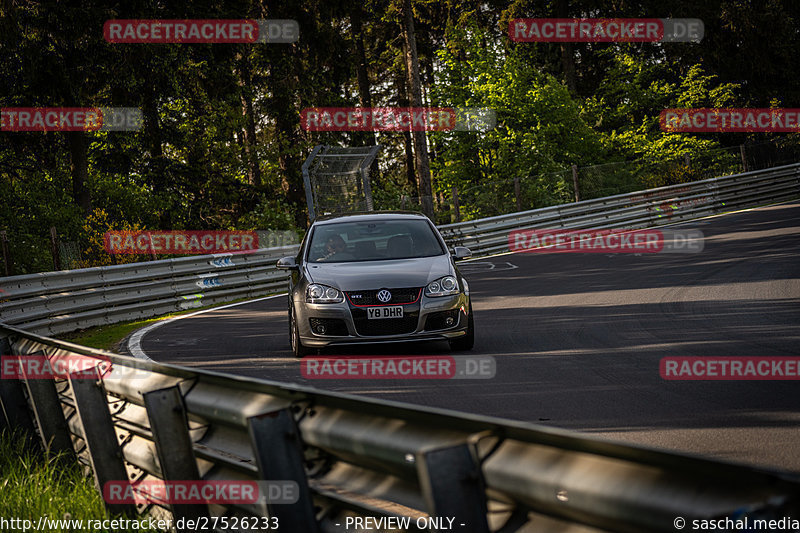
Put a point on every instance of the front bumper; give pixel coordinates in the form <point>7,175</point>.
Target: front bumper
<point>422,321</point>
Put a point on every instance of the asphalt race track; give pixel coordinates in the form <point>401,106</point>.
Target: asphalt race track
<point>577,339</point>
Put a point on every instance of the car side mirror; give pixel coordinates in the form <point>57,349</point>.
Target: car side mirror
<point>462,252</point>
<point>287,263</point>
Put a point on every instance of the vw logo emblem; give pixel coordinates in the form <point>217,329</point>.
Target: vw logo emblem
<point>384,295</point>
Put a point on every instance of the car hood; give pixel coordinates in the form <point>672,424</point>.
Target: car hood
<point>367,275</point>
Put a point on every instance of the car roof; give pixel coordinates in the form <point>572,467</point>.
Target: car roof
<point>368,216</point>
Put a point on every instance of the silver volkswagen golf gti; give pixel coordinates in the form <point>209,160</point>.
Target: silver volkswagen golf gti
<point>374,278</point>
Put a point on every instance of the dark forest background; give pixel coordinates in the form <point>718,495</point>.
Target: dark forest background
<point>222,147</point>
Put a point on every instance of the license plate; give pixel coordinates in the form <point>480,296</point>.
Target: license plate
<point>394,311</point>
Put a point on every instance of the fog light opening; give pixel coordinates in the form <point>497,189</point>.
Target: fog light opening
<point>449,321</point>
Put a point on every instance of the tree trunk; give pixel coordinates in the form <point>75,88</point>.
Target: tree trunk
<point>154,136</point>
<point>281,82</point>
<point>79,169</point>
<point>567,53</point>
<point>568,64</point>
<point>284,86</point>
<point>408,143</point>
<point>420,142</point>
<point>249,131</point>
<point>364,92</point>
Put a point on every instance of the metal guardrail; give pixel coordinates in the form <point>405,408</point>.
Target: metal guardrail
<point>641,209</point>
<point>58,302</point>
<point>357,456</point>
<point>354,456</point>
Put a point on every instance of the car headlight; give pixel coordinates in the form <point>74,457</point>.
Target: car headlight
<point>445,286</point>
<point>322,294</point>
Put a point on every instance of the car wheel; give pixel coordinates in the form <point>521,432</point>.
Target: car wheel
<point>467,341</point>
<point>297,347</point>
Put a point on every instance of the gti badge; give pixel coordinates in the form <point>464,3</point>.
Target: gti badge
<point>384,295</point>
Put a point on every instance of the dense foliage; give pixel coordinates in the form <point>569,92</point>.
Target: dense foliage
<point>222,146</point>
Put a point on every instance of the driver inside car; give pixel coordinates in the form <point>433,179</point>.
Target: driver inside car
<point>334,249</point>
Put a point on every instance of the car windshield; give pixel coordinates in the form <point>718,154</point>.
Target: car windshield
<point>346,242</point>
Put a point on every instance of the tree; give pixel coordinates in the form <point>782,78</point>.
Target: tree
<point>421,160</point>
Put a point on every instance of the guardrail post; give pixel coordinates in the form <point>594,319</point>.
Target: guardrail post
<point>367,188</point>
<point>6,255</point>
<point>49,416</point>
<point>307,180</point>
<point>98,433</point>
<point>366,165</point>
<point>279,456</point>
<point>452,484</point>
<point>456,208</point>
<point>14,411</point>
<point>744,158</point>
<point>54,248</point>
<point>575,183</point>
<point>170,429</point>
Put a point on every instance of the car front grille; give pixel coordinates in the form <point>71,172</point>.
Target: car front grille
<point>399,297</point>
<point>384,326</point>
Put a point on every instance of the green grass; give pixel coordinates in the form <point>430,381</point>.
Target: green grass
<point>32,487</point>
<point>109,337</point>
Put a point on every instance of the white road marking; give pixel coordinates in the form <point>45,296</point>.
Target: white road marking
<point>483,266</point>
<point>135,342</point>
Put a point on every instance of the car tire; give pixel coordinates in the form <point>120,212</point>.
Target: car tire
<point>297,346</point>
<point>462,344</point>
